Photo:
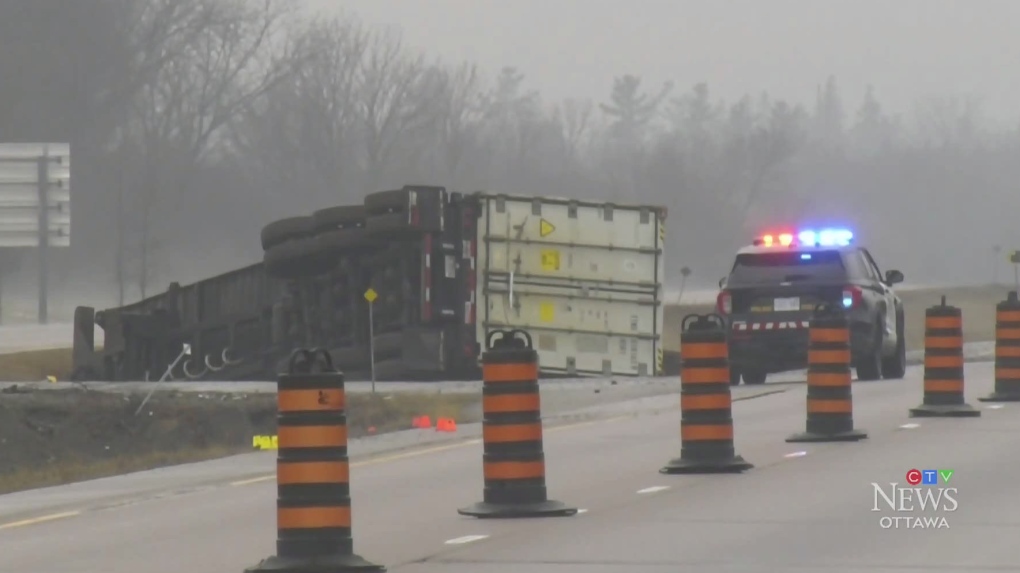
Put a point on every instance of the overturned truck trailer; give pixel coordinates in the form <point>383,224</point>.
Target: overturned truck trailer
<point>583,278</point>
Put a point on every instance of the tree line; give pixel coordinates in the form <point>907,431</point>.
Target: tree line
<point>195,122</point>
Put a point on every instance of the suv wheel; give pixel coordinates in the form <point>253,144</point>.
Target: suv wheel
<point>754,377</point>
<point>869,367</point>
<point>895,366</point>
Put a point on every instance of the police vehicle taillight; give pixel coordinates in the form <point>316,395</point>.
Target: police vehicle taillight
<point>852,297</point>
<point>724,303</point>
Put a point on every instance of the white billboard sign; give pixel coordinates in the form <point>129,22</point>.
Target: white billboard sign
<point>22,194</point>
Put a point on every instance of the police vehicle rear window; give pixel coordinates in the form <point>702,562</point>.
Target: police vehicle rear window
<point>787,266</point>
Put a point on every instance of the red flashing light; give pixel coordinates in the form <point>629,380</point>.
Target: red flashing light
<point>724,303</point>
<point>853,297</point>
<point>786,239</point>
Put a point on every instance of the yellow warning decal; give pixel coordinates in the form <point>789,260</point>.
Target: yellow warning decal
<point>550,260</point>
<point>546,312</point>
<point>545,228</point>
<point>264,442</point>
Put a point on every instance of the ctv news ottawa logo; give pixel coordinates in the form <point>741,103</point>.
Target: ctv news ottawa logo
<point>922,503</point>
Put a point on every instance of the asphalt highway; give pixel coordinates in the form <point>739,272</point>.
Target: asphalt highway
<point>804,507</point>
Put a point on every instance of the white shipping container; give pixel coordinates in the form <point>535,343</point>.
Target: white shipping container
<point>583,279</point>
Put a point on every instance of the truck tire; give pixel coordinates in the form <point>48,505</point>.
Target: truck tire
<point>297,259</point>
<point>386,201</point>
<point>283,230</point>
<point>341,241</point>
<point>340,217</point>
<point>869,365</point>
<point>387,212</point>
<point>388,224</point>
<point>895,367</point>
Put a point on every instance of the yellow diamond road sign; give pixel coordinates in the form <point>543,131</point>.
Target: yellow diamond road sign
<point>371,295</point>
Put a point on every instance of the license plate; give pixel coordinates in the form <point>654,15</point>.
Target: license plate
<point>786,304</point>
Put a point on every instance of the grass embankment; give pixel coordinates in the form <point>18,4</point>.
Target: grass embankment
<point>36,365</point>
<point>53,437</point>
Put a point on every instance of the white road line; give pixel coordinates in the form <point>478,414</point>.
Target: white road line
<point>910,426</point>
<point>653,489</point>
<point>580,511</point>
<point>795,455</point>
<point>465,539</point>
<point>995,406</point>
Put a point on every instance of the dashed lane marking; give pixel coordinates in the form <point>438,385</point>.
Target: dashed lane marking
<point>910,426</point>
<point>653,489</point>
<point>795,455</point>
<point>465,539</point>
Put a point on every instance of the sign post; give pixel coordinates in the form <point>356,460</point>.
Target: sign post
<point>370,296</point>
<point>1014,258</point>
<point>996,249</point>
<point>35,203</point>
<point>684,273</point>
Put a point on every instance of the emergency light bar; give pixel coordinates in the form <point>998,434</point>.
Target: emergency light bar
<point>807,238</point>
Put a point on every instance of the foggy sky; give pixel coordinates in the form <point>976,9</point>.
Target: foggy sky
<point>907,49</point>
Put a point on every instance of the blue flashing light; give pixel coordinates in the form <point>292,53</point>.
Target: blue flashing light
<point>808,238</point>
<point>848,301</point>
<point>826,238</point>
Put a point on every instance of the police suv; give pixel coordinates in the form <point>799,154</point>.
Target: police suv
<point>776,284</point>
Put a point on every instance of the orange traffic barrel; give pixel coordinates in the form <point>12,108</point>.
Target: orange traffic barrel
<point>830,406</point>
<point>943,365</point>
<point>1007,351</point>
<point>313,505</point>
<point>513,462</point>
<point>706,407</point>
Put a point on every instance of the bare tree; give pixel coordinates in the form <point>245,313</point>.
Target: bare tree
<point>460,110</point>
<point>632,111</point>
<point>575,120</point>
<point>766,149</point>
<point>948,122</point>
<point>226,62</point>
<point>396,95</point>
<point>303,134</point>
<point>512,114</point>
